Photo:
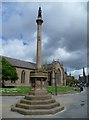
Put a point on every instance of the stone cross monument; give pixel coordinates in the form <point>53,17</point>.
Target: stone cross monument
<point>37,102</point>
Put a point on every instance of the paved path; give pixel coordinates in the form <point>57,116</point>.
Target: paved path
<point>75,106</point>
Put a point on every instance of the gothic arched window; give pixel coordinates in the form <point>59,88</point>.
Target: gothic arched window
<point>23,77</point>
<point>58,76</point>
<point>50,78</point>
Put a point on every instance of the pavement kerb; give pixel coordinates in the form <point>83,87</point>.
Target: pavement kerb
<point>73,92</point>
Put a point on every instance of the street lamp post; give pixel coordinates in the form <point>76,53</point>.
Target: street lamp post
<point>55,84</point>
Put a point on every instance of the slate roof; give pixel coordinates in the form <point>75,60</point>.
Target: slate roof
<point>20,63</point>
<point>48,66</point>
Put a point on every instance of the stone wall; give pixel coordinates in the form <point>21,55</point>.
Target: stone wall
<point>55,68</point>
<point>18,82</point>
<point>27,76</point>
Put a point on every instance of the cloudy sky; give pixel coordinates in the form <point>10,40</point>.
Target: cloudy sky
<point>64,32</point>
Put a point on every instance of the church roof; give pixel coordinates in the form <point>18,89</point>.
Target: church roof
<point>48,66</point>
<point>20,63</point>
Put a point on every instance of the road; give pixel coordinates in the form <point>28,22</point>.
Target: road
<point>75,106</point>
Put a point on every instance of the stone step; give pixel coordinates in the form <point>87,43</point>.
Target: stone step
<point>38,97</point>
<point>37,102</point>
<point>48,106</point>
<point>37,112</point>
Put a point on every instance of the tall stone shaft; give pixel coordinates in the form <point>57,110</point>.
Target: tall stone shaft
<point>39,22</point>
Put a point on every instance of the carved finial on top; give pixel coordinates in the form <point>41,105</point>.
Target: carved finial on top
<point>39,12</point>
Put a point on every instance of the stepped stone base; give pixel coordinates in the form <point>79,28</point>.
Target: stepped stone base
<point>37,105</point>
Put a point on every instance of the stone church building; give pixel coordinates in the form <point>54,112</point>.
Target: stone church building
<point>56,73</point>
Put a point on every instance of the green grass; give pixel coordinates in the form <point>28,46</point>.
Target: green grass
<point>16,90</point>
<point>26,90</point>
<point>62,89</point>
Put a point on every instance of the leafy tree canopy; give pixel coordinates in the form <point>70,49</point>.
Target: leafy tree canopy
<point>72,81</point>
<point>8,71</point>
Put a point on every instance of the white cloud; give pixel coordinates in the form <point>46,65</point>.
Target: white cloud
<point>78,72</point>
<point>18,49</point>
<point>63,55</point>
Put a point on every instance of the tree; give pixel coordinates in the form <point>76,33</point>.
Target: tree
<point>8,71</point>
<point>72,81</point>
<point>0,68</point>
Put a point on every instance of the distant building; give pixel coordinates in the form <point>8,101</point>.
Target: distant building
<point>87,79</point>
<point>84,78</point>
<point>24,68</point>
<point>69,77</point>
